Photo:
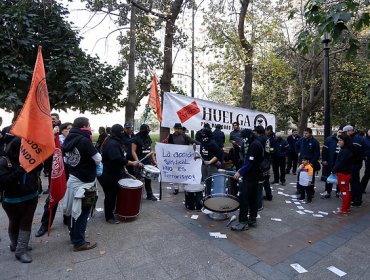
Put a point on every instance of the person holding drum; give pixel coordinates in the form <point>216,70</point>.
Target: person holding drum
<point>142,151</point>
<point>251,173</point>
<point>114,162</point>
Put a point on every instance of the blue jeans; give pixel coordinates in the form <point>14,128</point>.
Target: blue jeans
<point>77,231</point>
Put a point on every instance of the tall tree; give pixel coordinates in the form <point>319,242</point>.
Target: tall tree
<point>75,80</point>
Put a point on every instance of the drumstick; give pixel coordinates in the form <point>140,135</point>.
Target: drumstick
<point>145,157</point>
<point>132,177</point>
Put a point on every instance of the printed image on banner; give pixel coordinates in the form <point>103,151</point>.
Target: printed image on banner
<point>177,164</point>
<point>188,111</point>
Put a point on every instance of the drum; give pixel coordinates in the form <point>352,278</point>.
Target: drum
<point>150,172</point>
<point>129,198</point>
<point>218,196</point>
<point>193,196</point>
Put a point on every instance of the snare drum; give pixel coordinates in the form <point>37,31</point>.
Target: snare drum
<point>129,198</point>
<point>150,172</point>
<point>193,196</point>
<point>218,196</point>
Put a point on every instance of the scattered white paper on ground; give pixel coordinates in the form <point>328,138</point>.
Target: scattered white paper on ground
<point>318,215</point>
<point>298,268</point>
<point>288,201</point>
<point>294,199</point>
<point>276,219</point>
<point>194,217</point>
<point>293,196</point>
<point>223,236</point>
<point>213,234</point>
<point>337,271</point>
<point>322,212</point>
<point>309,211</point>
<point>258,216</point>
<point>301,212</point>
<point>206,211</point>
<point>297,203</point>
<point>99,209</point>
<point>280,189</point>
<point>301,208</point>
<point>292,183</point>
<point>281,193</point>
<point>168,188</point>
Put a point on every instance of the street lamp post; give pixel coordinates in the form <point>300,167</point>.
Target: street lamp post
<point>327,125</point>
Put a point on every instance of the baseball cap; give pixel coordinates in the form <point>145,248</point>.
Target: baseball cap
<point>127,125</point>
<point>347,128</point>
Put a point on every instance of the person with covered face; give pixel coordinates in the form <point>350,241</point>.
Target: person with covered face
<point>142,148</point>
<point>251,173</point>
<point>211,154</point>
<point>114,162</point>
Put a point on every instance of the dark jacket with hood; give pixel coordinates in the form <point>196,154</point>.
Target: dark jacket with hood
<point>78,151</point>
<point>344,161</point>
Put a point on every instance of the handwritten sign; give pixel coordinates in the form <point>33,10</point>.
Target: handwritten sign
<point>177,164</point>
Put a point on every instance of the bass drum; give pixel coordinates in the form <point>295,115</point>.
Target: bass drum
<point>218,197</point>
<point>129,198</point>
<point>194,196</point>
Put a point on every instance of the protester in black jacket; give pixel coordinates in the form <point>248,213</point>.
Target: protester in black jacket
<point>20,199</point>
<point>343,169</point>
<point>292,154</point>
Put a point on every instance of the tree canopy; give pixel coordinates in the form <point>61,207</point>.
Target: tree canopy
<point>75,80</point>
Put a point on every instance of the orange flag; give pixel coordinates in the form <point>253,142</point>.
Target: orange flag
<point>153,100</point>
<point>33,124</point>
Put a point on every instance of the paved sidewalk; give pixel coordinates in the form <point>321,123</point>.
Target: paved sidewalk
<point>165,243</point>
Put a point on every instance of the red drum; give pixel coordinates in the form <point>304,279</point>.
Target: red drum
<point>129,198</point>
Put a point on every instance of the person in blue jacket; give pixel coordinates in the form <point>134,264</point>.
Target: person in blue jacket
<point>281,148</point>
<point>310,147</point>
<point>329,154</point>
<point>292,154</point>
<point>366,177</point>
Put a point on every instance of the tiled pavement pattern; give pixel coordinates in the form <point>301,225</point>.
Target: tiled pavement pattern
<point>164,243</point>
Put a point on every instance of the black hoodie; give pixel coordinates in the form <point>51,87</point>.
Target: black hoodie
<point>79,150</point>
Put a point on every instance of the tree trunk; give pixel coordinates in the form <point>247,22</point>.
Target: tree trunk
<point>131,99</point>
<point>165,81</point>
<point>248,53</point>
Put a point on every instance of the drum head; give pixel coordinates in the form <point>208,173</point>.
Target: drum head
<point>130,183</point>
<point>194,188</point>
<point>152,169</point>
<point>221,203</point>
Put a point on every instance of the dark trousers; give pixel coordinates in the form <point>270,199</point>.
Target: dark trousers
<point>45,215</point>
<point>236,157</point>
<point>356,188</point>
<point>365,179</point>
<point>77,231</point>
<point>278,166</point>
<point>110,188</point>
<point>305,190</point>
<point>292,162</point>
<point>148,187</point>
<point>248,199</point>
<point>20,215</point>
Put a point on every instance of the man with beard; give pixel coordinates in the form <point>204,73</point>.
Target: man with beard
<point>250,171</point>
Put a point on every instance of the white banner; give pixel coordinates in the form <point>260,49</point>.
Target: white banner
<point>177,164</point>
<point>193,113</point>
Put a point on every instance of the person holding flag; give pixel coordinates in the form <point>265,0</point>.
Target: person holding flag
<point>24,157</point>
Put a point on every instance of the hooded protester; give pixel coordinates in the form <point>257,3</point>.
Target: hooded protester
<point>251,172</point>
<point>211,154</point>
<point>20,199</point>
<point>140,148</point>
<point>114,162</point>
<point>83,161</point>
<point>343,168</point>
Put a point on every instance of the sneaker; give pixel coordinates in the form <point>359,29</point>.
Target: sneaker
<point>151,197</point>
<point>240,226</point>
<point>356,204</point>
<point>275,183</point>
<point>45,191</point>
<point>282,183</point>
<point>113,221</point>
<point>324,195</point>
<point>252,222</point>
<point>340,212</point>
<point>267,197</point>
<point>175,191</point>
<point>86,246</point>
<point>41,232</point>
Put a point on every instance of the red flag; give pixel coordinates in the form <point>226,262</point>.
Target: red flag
<point>58,183</point>
<point>153,100</point>
<point>33,124</point>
